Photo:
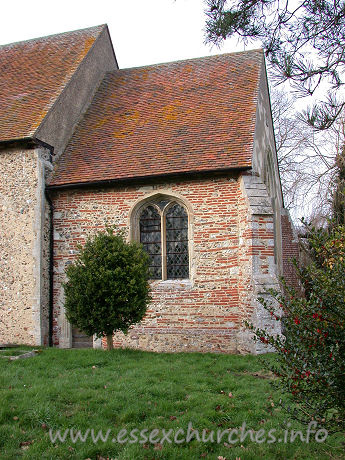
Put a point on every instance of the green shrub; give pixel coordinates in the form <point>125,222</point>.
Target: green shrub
<point>107,288</point>
<point>311,353</point>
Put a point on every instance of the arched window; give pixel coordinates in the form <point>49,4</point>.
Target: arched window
<point>163,228</point>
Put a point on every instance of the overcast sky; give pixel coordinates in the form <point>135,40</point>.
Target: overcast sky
<point>143,31</point>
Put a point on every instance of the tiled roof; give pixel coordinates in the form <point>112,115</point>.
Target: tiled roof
<point>32,75</point>
<point>194,115</point>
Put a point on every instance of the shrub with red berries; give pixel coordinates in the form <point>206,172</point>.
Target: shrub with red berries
<point>310,354</point>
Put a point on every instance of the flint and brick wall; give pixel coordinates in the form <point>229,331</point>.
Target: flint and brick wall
<point>227,244</point>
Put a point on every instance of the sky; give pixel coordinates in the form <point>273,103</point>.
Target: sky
<point>143,31</point>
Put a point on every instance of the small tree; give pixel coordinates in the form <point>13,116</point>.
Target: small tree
<point>311,353</point>
<point>107,288</point>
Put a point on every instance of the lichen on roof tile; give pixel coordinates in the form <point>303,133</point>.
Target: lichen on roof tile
<point>185,116</point>
<point>33,74</point>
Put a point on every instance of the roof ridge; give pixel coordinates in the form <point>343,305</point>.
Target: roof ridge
<point>61,34</point>
<point>255,50</point>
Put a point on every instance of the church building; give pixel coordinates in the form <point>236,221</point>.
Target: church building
<point>179,155</point>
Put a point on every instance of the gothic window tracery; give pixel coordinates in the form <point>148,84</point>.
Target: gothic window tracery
<point>163,229</point>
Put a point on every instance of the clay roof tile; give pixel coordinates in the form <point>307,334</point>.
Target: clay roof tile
<point>33,74</point>
<point>179,117</point>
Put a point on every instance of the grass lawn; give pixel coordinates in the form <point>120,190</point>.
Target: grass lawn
<point>126,389</point>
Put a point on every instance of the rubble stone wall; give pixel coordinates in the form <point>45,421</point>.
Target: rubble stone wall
<point>24,286</point>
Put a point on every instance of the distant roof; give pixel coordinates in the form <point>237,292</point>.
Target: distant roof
<point>33,74</point>
<point>185,116</point>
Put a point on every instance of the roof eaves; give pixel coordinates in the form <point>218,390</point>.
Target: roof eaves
<point>26,142</point>
<point>30,141</point>
<point>96,183</point>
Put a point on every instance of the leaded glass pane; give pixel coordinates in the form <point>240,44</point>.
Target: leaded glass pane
<point>150,237</point>
<point>162,204</point>
<point>177,242</point>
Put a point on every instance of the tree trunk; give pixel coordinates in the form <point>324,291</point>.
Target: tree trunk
<point>110,344</point>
